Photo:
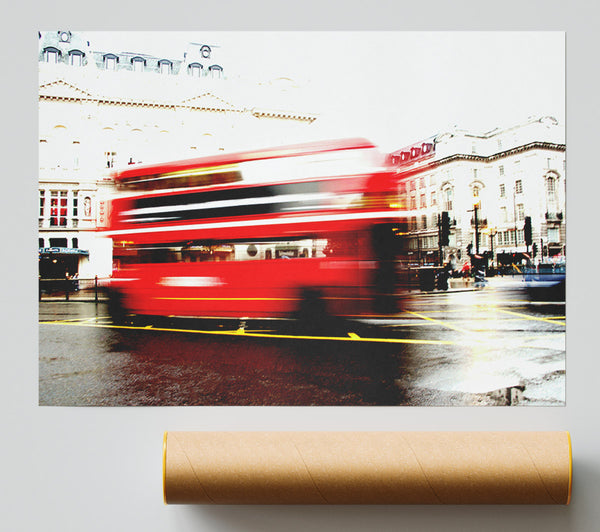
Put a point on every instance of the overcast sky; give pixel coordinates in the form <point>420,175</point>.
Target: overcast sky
<point>393,87</point>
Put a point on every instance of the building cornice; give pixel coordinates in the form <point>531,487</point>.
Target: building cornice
<point>185,105</point>
<point>537,145</point>
<point>260,113</point>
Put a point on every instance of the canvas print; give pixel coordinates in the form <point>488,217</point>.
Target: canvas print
<point>302,218</point>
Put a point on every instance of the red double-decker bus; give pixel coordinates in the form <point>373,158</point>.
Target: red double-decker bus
<point>308,230</point>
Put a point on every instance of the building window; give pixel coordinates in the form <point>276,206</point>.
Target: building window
<point>41,242</point>
<point>51,55</point>
<point>138,64</point>
<point>75,242</point>
<point>553,235</point>
<point>58,208</point>
<point>87,207</point>
<point>448,194</point>
<point>75,204</point>
<point>520,236</point>
<point>434,220</point>
<point>58,243</point>
<point>501,169</point>
<point>424,222</point>
<point>520,212</point>
<point>503,215</point>
<point>474,173</point>
<point>110,158</point>
<point>165,66</point>
<point>195,69</point>
<point>413,200</point>
<point>216,71</point>
<point>421,182</point>
<point>433,199</point>
<point>519,186</point>
<point>110,62</point>
<point>76,57</point>
<point>551,190</point>
<point>432,179</point>
<point>423,201</point>
<point>205,51</point>
<point>502,190</point>
<point>42,202</point>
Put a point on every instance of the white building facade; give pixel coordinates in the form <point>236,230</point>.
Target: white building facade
<point>101,110</point>
<point>505,175</point>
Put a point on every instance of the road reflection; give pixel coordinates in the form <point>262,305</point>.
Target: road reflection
<point>472,348</point>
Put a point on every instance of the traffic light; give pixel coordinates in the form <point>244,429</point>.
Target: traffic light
<point>445,229</point>
<point>534,250</point>
<point>527,230</point>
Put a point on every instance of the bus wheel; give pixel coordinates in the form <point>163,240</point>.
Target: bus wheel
<point>312,315</point>
<point>116,308</point>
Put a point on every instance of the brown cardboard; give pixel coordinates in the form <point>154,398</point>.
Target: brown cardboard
<point>367,468</point>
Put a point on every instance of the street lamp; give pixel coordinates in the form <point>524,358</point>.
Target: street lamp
<point>493,232</point>
<point>475,222</point>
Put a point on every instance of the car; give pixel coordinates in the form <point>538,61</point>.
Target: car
<point>546,281</point>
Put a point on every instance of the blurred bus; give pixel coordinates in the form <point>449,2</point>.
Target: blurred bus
<point>307,231</point>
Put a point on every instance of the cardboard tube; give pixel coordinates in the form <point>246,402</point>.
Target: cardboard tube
<point>367,467</point>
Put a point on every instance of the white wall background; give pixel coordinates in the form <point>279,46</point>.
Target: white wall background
<point>98,469</point>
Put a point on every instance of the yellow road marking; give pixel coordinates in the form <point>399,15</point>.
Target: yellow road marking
<point>532,318</point>
<point>448,325</point>
<point>354,336</point>
<point>264,335</point>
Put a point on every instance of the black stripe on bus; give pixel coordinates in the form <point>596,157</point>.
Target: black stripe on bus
<point>224,195</point>
<point>276,191</point>
<point>223,212</point>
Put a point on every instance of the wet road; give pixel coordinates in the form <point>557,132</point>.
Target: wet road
<point>487,347</point>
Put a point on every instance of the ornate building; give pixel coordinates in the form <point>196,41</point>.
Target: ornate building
<point>104,109</point>
<point>489,184</point>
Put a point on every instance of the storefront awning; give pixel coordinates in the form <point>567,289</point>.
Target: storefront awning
<point>63,251</point>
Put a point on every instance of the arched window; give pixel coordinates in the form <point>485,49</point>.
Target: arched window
<point>138,63</point>
<point>448,195</point>
<point>165,66</point>
<point>552,191</point>
<point>216,71</point>
<point>51,54</point>
<point>76,57</point>
<point>110,61</point>
<point>205,51</point>
<point>551,186</point>
<point>195,69</point>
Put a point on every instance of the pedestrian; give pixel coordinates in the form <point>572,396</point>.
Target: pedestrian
<point>466,269</point>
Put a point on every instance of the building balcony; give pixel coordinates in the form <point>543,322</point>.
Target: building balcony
<point>554,216</point>
<point>481,222</point>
